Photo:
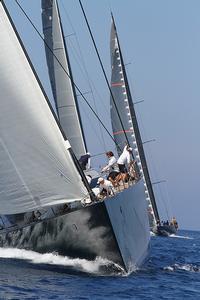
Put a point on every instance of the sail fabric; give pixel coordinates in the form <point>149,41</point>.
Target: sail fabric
<point>63,91</point>
<point>123,101</point>
<point>119,93</point>
<point>36,168</point>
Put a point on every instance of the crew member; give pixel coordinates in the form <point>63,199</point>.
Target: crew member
<point>84,161</point>
<point>105,187</point>
<point>111,167</point>
<point>124,158</point>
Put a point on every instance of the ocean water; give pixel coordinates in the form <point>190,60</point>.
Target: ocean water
<point>171,272</point>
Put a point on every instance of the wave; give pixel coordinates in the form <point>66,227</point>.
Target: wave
<point>180,237</point>
<point>185,267</point>
<point>152,233</point>
<point>98,266</point>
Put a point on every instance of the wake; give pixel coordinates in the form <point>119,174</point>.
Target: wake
<point>185,267</point>
<point>97,266</point>
<point>180,237</point>
<point>152,233</point>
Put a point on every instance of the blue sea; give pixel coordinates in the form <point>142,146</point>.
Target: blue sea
<point>171,272</point>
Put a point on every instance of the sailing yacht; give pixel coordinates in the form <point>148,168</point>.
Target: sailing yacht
<point>43,190</point>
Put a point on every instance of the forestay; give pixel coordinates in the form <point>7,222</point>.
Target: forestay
<point>59,67</point>
<point>36,168</point>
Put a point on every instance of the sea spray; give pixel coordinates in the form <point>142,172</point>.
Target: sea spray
<point>84,265</point>
<point>180,237</point>
<point>184,267</point>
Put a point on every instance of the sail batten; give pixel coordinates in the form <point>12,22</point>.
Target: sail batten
<point>62,86</point>
<point>36,167</point>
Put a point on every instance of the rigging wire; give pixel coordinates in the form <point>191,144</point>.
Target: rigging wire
<point>92,90</point>
<point>75,85</point>
<point>168,199</point>
<point>103,70</point>
<point>163,202</point>
<point>91,86</point>
<point>85,70</point>
<point>92,128</point>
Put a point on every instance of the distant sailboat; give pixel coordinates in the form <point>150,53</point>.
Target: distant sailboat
<point>43,189</point>
<point>125,126</point>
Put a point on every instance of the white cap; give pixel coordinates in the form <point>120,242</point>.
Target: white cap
<point>88,153</point>
<point>100,180</point>
<point>129,149</point>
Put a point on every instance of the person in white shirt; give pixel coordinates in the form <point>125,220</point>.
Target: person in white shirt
<point>124,158</point>
<point>105,187</point>
<point>111,167</point>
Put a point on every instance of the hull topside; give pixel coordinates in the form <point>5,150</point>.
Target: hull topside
<point>115,229</point>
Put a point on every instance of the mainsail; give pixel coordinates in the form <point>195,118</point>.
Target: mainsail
<point>62,85</point>
<point>124,105</point>
<point>36,167</point>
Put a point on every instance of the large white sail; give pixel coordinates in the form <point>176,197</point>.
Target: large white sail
<point>62,87</point>
<point>123,102</point>
<point>36,168</point>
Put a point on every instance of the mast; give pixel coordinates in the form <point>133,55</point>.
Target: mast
<point>124,103</point>
<point>62,86</point>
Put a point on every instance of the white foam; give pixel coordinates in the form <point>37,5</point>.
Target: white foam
<point>180,237</point>
<point>185,267</point>
<point>152,233</point>
<point>169,268</point>
<point>54,259</point>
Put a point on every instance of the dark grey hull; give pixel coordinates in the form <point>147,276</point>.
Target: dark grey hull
<point>115,229</point>
<point>165,230</point>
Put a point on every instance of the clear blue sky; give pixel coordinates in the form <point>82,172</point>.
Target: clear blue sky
<point>161,40</point>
